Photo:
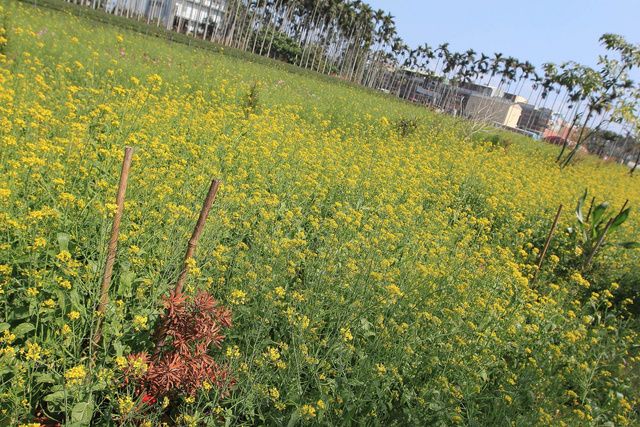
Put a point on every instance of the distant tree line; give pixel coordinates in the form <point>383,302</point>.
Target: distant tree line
<point>351,40</point>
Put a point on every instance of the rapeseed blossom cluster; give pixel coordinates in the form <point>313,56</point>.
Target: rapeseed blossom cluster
<point>75,375</point>
<point>374,277</point>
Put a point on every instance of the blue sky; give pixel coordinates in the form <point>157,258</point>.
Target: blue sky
<point>535,30</point>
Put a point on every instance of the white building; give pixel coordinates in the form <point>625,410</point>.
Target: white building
<point>493,110</point>
<point>193,15</point>
<point>182,15</point>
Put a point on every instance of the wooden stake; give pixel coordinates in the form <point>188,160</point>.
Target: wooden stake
<point>598,243</point>
<point>113,242</point>
<point>191,248</point>
<point>195,237</point>
<point>623,206</point>
<point>546,245</point>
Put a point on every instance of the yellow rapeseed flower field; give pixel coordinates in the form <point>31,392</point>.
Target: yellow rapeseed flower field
<point>375,278</point>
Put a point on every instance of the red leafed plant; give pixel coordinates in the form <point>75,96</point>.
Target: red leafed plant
<point>183,364</point>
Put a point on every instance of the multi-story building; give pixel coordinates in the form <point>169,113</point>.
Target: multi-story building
<point>492,109</point>
<point>474,101</point>
<point>534,119</point>
<point>186,16</point>
<point>190,16</point>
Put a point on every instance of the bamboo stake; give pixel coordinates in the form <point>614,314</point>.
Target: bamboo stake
<point>191,248</point>
<point>195,237</point>
<point>598,243</point>
<point>623,206</point>
<point>546,245</point>
<point>113,242</point>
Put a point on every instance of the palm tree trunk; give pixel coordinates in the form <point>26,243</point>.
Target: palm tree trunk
<point>580,140</point>
<point>636,163</point>
<point>564,144</point>
<point>206,25</point>
<point>231,26</point>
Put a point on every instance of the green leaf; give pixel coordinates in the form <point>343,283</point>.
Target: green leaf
<point>63,241</point>
<point>620,218</point>
<point>294,419</point>
<point>435,406</point>
<point>228,415</point>
<point>579,207</point>
<point>82,413</point>
<point>57,396</point>
<point>598,211</point>
<point>23,328</point>
<point>93,266</point>
<point>630,245</point>
<point>75,300</point>
<point>44,377</point>
<point>4,326</point>
<point>126,284</point>
<point>99,385</point>
<point>117,345</point>
<point>62,300</point>
<point>19,313</point>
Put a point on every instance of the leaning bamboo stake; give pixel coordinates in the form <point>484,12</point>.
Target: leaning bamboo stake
<point>113,242</point>
<point>195,237</point>
<point>623,206</point>
<point>598,243</point>
<point>546,245</point>
<point>191,248</point>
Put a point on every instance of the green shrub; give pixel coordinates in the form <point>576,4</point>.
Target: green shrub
<point>283,47</point>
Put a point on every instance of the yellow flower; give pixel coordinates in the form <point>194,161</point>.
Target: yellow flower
<point>75,375</point>
<point>121,361</point>
<point>154,79</point>
<point>139,322</point>
<point>63,256</point>
<point>74,315</point>
<point>33,351</point>
<point>275,395</point>
<point>238,297</point>
<point>233,352</point>
<point>7,337</point>
<point>280,291</point>
<point>346,334</point>
<point>125,405</point>
<point>308,411</point>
